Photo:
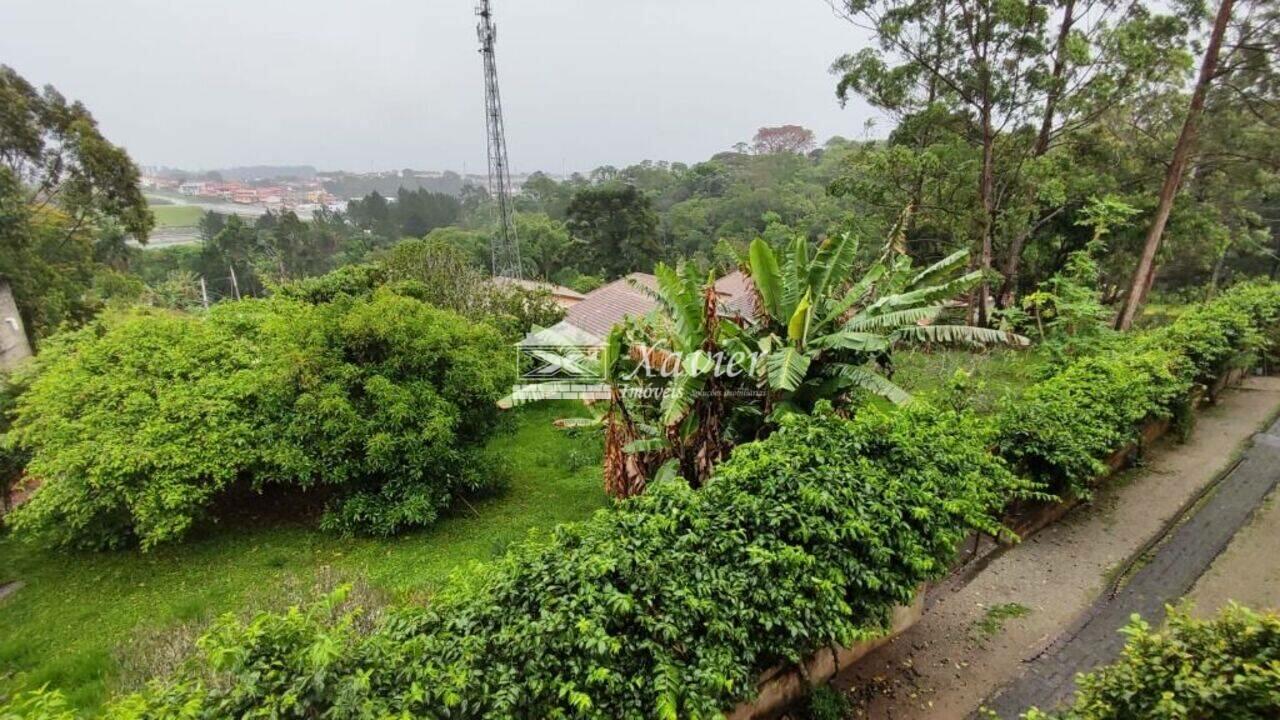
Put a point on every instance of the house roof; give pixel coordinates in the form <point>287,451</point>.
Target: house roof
<point>737,294</point>
<point>556,290</point>
<point>590,319</point>
<point>606,306</point>
<point>561,335</point>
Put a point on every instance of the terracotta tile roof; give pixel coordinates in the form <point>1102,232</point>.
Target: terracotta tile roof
<point>736,294</point>
<point>606,306</point>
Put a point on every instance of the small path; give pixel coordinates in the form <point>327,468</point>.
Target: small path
<point>956,657</point>
<point>1168,573</point>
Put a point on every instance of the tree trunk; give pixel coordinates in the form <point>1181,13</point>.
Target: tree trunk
<point>1144,274</point>
<point>986,192</point>
<point>1014,261</point>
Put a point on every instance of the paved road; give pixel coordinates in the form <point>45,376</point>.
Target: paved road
<point>1168,573</point>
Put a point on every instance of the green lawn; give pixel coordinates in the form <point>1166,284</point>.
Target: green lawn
<point>176,215</point>
<point>94,623</point>
<point>994,373</point>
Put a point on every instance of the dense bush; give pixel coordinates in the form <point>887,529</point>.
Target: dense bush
<point>1061,430</point>
<point>1211,337</point>
<point>137,424</point>
<point>442,275</point>
<point>667,606</point>
<point>1227,668</point>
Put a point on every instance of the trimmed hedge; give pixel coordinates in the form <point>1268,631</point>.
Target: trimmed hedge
<point>668,606</point>
<point>1226,668</point>
<point>1062,430</point>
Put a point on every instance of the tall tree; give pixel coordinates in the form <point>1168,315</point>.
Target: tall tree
<point>1182,149</point>
<point>618,226</point>
<point>61,184</point>
<point>783,139</point>
<point>1013,79</point>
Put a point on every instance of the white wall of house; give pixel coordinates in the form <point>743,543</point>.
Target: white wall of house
<point>14,347</point>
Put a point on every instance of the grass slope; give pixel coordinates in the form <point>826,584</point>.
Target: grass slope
<point>93,623</point>
<point>176,215</point>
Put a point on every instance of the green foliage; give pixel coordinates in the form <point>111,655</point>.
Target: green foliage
<point>824,703</point>
<point>444,275</point>
<point>806,539</point>
<point>1070,319</point>
<point>95,624</point>
<point>1227,668</point>
<point>1231,330</point>
<point>41,704</point>
<point>349,280</point>
<point>138,424</point>
<point>617,226</point>
<point>1061,430</point>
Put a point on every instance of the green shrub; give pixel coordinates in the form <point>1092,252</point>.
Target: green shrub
<point>1213,337</point>
<point>824,703</point>
<point>349,280</point>
<point>1061,430</point>
<point>137,424</point>
<point>1227,669</point>
<point>669,605</point>
<point>441,275</point>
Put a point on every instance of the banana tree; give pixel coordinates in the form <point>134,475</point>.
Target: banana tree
<point>815,333</point>
<point>822,334</point>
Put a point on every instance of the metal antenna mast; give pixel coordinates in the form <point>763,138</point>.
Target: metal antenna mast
<point>505,246</point>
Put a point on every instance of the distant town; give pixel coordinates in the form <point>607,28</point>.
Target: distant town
<point>179,197</point>
<point>300,196</point>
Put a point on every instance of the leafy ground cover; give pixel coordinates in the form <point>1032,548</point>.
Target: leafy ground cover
<point>992,374</point>
<point>83,622</point>
<point>176,215</point>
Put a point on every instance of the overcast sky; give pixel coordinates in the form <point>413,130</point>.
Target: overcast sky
<point>387,84</point>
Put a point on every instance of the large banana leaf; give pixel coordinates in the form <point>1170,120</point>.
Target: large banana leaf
<point>847,340</point>
<point>679,397</point>
<point>795,277</point>
<point>682,299</point>
<point>939,270</point>
<point>926,295</point>
<point>610,352</point>
<point>892,320</point>
<point>959,335</point>
<point>766,276</point>
<point>832,263</point>
<point>798,325</point>
<point>873,382</point>
<point>856,293</point>
<point>787,367</point>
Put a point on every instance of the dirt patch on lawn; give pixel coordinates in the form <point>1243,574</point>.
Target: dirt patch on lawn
<point>1249,571</point>
<point>948,663</point>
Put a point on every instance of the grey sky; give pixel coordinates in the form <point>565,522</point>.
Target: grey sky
<point>385,84</point>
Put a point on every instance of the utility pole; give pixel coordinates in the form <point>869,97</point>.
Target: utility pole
<point>505,246</point>
<point>204,293</point>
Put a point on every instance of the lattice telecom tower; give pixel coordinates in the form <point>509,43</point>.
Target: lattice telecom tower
<point>505,246</point>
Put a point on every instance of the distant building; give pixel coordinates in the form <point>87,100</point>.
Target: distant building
<point>14,346</point>
<point>563,296</point>
<point>191,188</point>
